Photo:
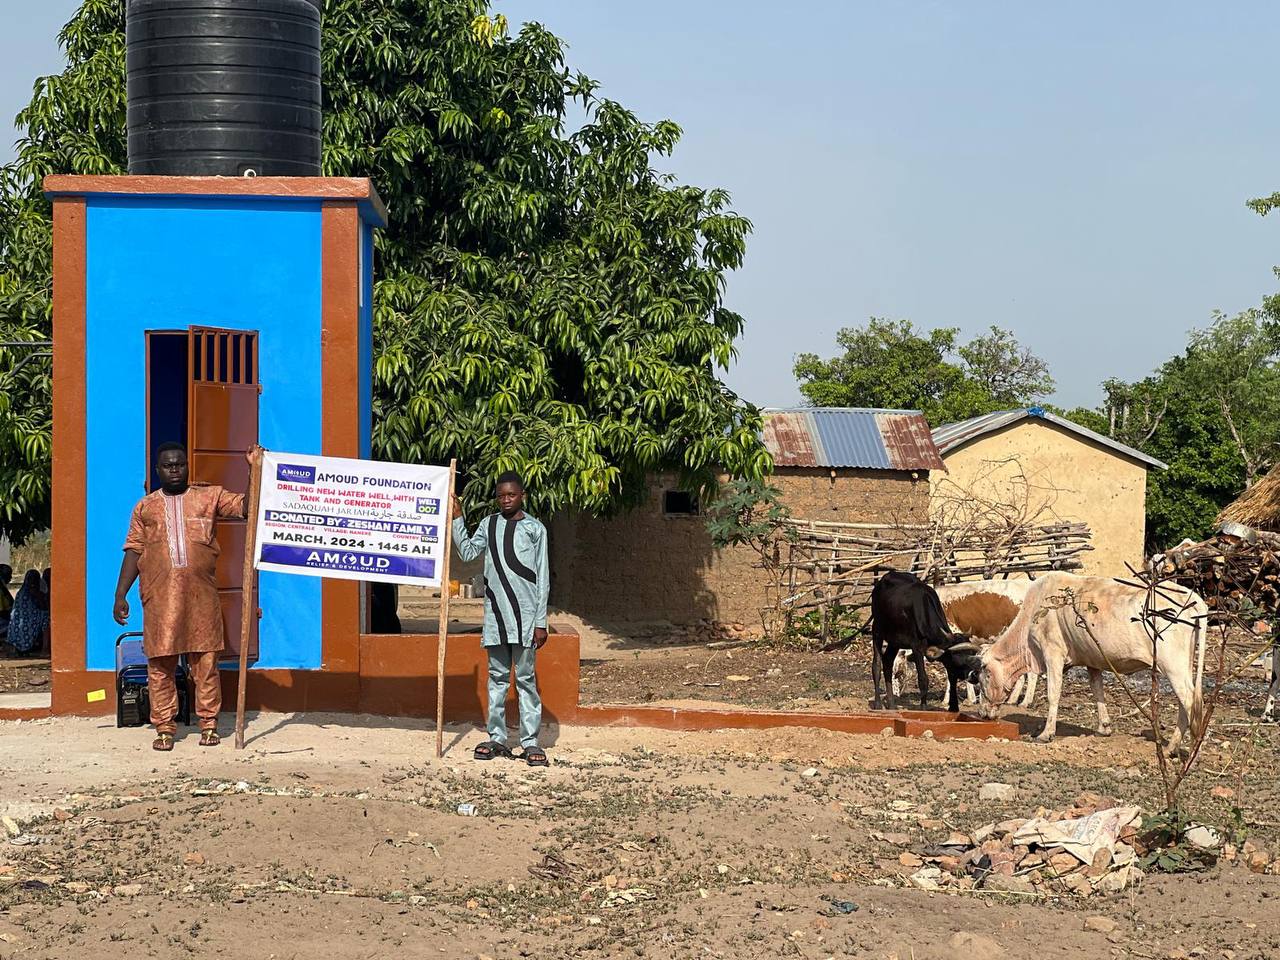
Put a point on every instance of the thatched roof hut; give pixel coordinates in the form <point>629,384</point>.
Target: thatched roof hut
<point>1258,507</point>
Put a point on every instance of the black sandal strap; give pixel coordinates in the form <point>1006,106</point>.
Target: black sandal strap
<point>490,749</point>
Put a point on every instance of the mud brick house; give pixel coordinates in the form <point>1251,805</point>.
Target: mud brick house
<point>656,562</point>
<point>1033,455</point>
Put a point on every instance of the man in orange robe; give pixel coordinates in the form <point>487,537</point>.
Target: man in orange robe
<point>171,545</point>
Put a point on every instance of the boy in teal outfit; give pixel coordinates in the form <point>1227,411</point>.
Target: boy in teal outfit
<point>516,586</point>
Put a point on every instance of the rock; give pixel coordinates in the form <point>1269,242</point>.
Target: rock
<point>999,883</point>
<point>949,864</point>
<point>1101,863</point>
<point>1258,861</point>
<point>1229,852</point>
<point>76,886</point>
<point>418,900</point>
<point>1005,862</point>
<point>1078,884</point>
<point>1273,868</point>
<point>1222,793</point>
<point>1206,838</point>
<point>1118,880</point>
<point>1101,925</point>
<point>897,839</point>
<point>969,944</point>
<point>996,791</point>
<point>773,672</point>
<point>127,889</point>
<point>194,859</point>
<point>910,860</point>
<point>927,735</point>
<point>62,816</point>
<point>887,732</point>
<point>929,878</point>
<point>1006,827</point>
<point>956,839</point>
<point>11,826</point>
<point>983,832</point>
<point>1064,863</point>
<point>810,773</point>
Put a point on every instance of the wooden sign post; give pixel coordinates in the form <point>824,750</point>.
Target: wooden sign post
<point>443,635</point>
<point>247,611</point>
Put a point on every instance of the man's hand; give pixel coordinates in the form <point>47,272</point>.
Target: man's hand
<point>121,612</point>
<point>539,637</point>
<point>253,455</point>
<point>456,507</point>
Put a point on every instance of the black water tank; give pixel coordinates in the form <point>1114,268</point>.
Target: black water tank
<point>224,87</point>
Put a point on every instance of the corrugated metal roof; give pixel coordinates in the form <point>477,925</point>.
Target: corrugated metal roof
<point>850,437</point>
<point>955,435</point>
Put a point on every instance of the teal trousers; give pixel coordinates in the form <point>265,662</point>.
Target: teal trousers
<point>504,659</point>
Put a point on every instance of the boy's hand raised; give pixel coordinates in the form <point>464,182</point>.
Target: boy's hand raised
<point>456,507</point>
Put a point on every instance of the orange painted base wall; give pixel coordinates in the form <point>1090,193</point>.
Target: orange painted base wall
<point>397,678</point>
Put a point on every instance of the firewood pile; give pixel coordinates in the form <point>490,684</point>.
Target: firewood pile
<point>1236,575</point>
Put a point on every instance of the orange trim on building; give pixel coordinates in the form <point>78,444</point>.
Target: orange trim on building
<point>340,416</point>
<point>317,188</point>
<point>69,614</point>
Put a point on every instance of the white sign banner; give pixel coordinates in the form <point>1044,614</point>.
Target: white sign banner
<point>351,519</point>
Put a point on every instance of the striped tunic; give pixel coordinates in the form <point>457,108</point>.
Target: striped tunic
<point>516,579</point>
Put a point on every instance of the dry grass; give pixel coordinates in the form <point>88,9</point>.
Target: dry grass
<point>32,555</point>
<point>1257,507</point>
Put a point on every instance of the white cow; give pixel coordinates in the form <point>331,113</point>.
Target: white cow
<point>974,608</point>
<point>1047,637</point>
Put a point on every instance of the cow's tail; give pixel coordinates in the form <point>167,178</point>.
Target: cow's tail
<point>1197,695</point>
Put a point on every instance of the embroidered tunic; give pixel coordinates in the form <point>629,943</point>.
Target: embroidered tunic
<point>516,579</point>
<point>178,556</point>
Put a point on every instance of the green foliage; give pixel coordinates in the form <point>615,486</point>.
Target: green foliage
<point>893,365</point>
<point>547,301</point>
<point>1209,414</point>
<point>749,512</point>
<point>844,624</point>
<point>1164,836</point>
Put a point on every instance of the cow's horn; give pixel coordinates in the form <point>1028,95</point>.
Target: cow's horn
<point>964,648</point>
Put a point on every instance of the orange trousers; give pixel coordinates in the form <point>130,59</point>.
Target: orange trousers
<point>164,692</point>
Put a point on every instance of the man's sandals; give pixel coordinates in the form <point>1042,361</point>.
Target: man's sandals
<point>490,749</point>
<point>533,756</point>
<point>164,741</point>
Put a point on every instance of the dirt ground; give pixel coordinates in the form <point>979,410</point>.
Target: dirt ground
<point>24,675</point>
<point>340,837</point>
<point>337,836</point>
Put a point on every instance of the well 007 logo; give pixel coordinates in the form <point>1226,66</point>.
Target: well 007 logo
<point>430,505</point>
<point>295,473</point>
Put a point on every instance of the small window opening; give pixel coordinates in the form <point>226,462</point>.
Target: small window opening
<point>677,503</point>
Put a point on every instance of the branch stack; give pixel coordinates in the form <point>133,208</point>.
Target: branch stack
<point>1233,575</point>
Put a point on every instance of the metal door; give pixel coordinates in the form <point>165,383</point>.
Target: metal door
<point>222,423</point>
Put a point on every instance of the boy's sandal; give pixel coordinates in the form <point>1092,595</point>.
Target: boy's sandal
<point>533,756</point>
<point>163,742</point>
<point>209,738</point>
<point>490,749</point>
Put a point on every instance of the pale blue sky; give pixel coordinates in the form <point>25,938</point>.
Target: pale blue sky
<point>1074,172</point>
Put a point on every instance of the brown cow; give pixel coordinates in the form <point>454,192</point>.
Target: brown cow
<point>982,610</point>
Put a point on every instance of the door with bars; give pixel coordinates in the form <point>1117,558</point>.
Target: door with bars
<point>222,423</point>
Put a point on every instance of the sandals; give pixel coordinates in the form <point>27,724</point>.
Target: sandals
<point>490,749</point>
<point>209,738</point>
<point>163,742</point>
<point>533,756</point>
